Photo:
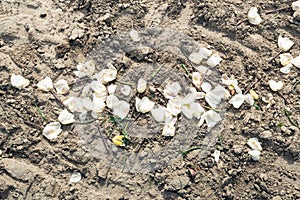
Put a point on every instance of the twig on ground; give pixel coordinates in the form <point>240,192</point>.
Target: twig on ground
<point>286,101</point>
<point>274,57</point>
<point>251,86</point>
<point>276,10</point>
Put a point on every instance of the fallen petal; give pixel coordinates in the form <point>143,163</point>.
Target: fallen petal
<point>62,87</point>
<point>125,90</point>
<point>275,86</point>
<point>287,69</point>
<point>144,105</point>
<point>296,61</point>
<point>121,109</point>
<point>284,43</point>
<point>205,52</point>
<point>253,16</point>
<point>134,35</point>
<point>254,154</point>
<point>141,85</point>
<point>214,60</point>
<point>52,130</point>
<point>237,100</point>
<point>19,81</point>
<point>212,118</point>
<point>75,177</point>
<point>65,117</point>
<point>285,58</point>
<point>254,144</point>
<point>196,58</point>
<point>45,85</point>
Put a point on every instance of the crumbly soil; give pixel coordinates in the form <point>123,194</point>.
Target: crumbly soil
<point>38,37</point>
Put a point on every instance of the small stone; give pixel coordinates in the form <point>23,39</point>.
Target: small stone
<point>265,134</point>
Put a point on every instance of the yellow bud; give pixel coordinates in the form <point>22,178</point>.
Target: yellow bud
<point>118,140</point>
<point>254,94</point>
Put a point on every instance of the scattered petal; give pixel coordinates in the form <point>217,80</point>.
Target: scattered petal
<point>198,95</point>
<point>285,58</point>
<point>204,70</point>
<point>254,94</point>
<point>214,97</point>
<point>19,81</point>
<point>125,90</point>
<point>169,128</point>
<point>52,130</point>
<point>198,110</point>
<point>118,140</point>
<point>171,90</point>
<point>98,88</point>
<point>205,52</point>
<point>197,78</point>
<point>85,69</point>
<point>253,16</point>
<point>287,69</point>
<point>275,86</point>
<point>284,43</point>
<point>158,113</point>
<point>174,107</point>
<point>237,100</point>
<point>196,58</point>
<point>254,154</point>
<point>106,75</point>
<point>75,177</point>
<point>212,118</point>
<point>249,99</point>
<point>98,103</point>
<point>65,117</point>
<point>111,101</point>
<point>45,85</point>
<point>296,61</point>
<point>121,109</point>
<point>144,105</point>
<point>62,86</point>
<point>214,60</point>
<point>216,155</point>
<point>206,86</point>
<point>111,89</point>
<point>296,5</point>
<point>134,35</point>
<point>141,85</point>
<point>254,144</point>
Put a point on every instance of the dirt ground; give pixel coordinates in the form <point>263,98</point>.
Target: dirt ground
<point>39,37</point>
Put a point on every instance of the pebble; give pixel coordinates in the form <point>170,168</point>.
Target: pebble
<point>265,134</point>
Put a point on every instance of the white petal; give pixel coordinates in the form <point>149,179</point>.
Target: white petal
<point>188,99</point>
<point>111,101</point>
<point>86,103</point>
<point>174,106</point>
<point>134,35</point>
<point>52,130</point>
<point>285,58</point>
<point>45,84</point>
<point>198,110</point>
<point>187,111</point>
<point>125,90</point>
<point>62,87</point>
<point>216,155</point>
<point>249,99</point>
<point>204,52</point>
<point>237,100</point>
<point>284,43</point>
<point>214,97</point>
<point>65,117</point>
<point>19,81</point>
<point>75,177</point>
<point>201,121</point>
<point>141,85</point>
<point>296,5</point>
<point>254,154</point>
<point>287,69</point>
<point>82,116</point>
<point>212,118</point>
<point>253,16</point>
<point>206,87</point>
<point>85,69</point>
<point>158,114</point>
<point>86,90</point>
<point>106,75</point>
<point>169,128</point>
<point>99,104</point>
<point>144,105</point>
<point>98,88</point>
<point>296,61</point>
<point>204,70</point>
<point>275,86</point>
<point>111,89</point>
<point>196,58</point>
<point>214,60</point>
<point>254,144</point>
<point>197,78</point>
<point>121,109</point>
<point>171,90</point>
